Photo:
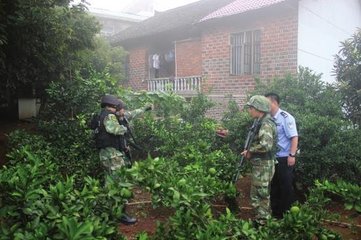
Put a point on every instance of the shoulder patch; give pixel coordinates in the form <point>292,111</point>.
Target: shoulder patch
<point>284,114</point>
<point>290,125</point>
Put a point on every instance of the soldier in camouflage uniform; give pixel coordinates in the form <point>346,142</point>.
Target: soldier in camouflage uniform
<point>111,131</point>
<point>261,154</point>
<point>108,137</point>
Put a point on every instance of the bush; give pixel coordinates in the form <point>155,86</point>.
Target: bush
<point>347,69</point>
<point>36,203</point>
<point>350,193</point>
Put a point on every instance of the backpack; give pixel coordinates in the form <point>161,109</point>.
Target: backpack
<point>94,124</point>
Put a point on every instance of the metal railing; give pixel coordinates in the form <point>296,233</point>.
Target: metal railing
<point>190,84</point>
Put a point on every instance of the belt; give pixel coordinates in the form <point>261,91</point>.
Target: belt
<point>263,156</point>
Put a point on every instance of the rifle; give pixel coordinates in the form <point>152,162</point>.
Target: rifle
<point>131,136</point>
<point>125,141</point>
<point>251,133</point>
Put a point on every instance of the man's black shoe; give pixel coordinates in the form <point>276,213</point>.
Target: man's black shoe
<point>258,223</point>
<point>125,219</point>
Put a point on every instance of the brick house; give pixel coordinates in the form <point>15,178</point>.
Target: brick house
<point>221,46</point>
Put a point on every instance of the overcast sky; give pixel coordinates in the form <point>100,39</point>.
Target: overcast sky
<point>118,5</point>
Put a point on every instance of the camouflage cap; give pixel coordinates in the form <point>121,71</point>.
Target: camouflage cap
<point>259,102</point>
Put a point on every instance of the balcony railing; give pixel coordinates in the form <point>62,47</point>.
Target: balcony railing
<point>186,85</point>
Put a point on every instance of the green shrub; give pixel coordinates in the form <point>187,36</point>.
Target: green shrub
<point>37,204</point>
<point>350,193</point>
<point>302,224</point>
<point>176,186</point>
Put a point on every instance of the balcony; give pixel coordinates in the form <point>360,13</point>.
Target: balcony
<point>181,85</point>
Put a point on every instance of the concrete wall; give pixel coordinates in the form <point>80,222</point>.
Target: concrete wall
<point>323,24</point>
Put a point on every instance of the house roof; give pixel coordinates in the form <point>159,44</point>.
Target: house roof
<point>103,13</point>
<point>140,7</point>
<point>186,16</point>
<point>239,6</point>
<point>181,17</point>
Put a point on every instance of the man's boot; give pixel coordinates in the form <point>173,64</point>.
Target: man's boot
<point>128,220</point>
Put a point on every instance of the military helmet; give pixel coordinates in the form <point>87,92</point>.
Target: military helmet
<point>110,100</point>
<point>259,102</point>
<point>121,105</point>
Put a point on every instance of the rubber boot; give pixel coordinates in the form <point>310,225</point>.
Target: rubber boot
<point>126,219</point>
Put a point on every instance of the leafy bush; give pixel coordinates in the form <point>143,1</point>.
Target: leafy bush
<point>347,69</point>
<point>37,204</point>
<point>301,224</point>
<point>178,186</point>
<point>165,104</point>
<point>63,123</point>
<point>187,225</point>
<point>238,123</point>
<point>304,224</point>
<point>34,143</point>
<point>73,146</point>
<point>69,99</point>
<point>350,193</point>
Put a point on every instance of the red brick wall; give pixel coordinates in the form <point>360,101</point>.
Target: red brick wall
<point>209,56</point>
<point>188,58</point>
<point>138,68</point>
<point>278,56</point>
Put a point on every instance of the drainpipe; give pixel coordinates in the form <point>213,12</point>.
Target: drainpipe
<point>175,58</point>
<point>175,63</point>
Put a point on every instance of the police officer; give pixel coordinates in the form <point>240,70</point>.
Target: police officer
<point>261,156</point>
<point>108,140</point>
<point>282,191</point>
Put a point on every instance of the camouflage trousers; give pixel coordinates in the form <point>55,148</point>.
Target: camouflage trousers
<point>262,173</point>
<point>111,158</point>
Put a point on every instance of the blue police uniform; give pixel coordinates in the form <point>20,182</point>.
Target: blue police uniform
<point>286,129</point>
<point>282,191</point>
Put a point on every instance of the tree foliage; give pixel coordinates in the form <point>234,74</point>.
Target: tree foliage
<point>103,58</point>
<point>39,41</point>
<point>348,73</point>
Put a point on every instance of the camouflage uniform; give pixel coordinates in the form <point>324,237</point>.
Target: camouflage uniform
<point>263,167</point>
<point>262,152</point>
<point>112,158</point>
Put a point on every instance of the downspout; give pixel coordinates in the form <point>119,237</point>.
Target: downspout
<point>175,60</point>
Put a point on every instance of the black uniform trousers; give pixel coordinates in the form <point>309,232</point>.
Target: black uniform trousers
<point>282,191</point>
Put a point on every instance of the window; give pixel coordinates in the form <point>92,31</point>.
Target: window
<point>246,53</point>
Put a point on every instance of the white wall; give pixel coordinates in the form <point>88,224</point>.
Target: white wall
<point>323,24</point>
<point>28,108</point>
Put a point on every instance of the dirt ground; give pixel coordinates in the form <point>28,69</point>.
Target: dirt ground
<point>140,206</point>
